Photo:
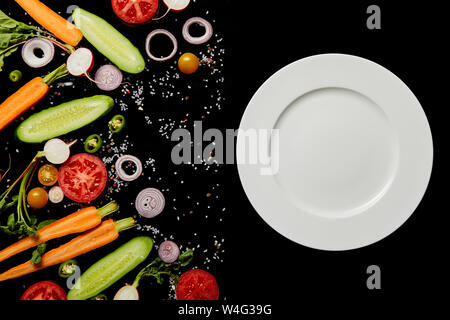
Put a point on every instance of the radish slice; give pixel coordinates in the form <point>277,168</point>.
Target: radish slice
<point>197,40</point>
<point>56,151</point>
<point>30,49</point>
<point>168,251</point>
<point>127,293</point>
<point>176,5</point>
<point>80,62</point>
<point>55,195</point>
<point>171,37</point>
<point>108,77</point>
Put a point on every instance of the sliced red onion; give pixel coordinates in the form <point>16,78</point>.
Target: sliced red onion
<point>150,202</point>
<point>55,195</point>
<point>122,174</point>
<point>168,251</point>
<point>80,62</point>
<point>197,40</point>
<point>30,58</point>
<point>108,77</point>
<point>171,37</point>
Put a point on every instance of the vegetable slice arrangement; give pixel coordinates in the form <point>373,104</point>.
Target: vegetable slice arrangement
<point>83,177</point>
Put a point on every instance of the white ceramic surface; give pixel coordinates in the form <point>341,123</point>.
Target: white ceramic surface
<point>354,152</point>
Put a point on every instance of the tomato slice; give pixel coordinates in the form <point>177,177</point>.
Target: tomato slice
<point>44,290</point>
<point>83,177</point>
<point>135,11</point>
<point>197,284</point>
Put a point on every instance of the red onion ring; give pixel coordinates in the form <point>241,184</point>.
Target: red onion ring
<point>197,40</point>
<point>150,202</point>
<point>168,251</point>
<point>108,77</point>
<point>122,174</point>
<point>31,59</point>
<point>171,37</point>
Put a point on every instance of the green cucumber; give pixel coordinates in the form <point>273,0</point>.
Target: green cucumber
<point>111,268</point>
<point>110,42</point>
<point>62,119</point>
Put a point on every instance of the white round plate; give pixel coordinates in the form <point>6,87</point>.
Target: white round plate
<point>352,158</point>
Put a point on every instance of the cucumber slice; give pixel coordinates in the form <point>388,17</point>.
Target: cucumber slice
<point>111,268</point>
<point>110,42</point>
<point>62,119</point>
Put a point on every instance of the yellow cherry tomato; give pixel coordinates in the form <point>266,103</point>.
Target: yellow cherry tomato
<point>37,198</point>
<point>48,175</point>
<point>188,63</point>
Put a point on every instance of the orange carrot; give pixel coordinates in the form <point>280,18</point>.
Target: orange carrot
<point>27,96</point>
<point>80,221</point>
<point>53,22</point>
<point>105,233</point>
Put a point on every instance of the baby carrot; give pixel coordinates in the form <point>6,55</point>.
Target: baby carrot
<point>105,233</point>
<point>27,96</point>
<point>53,22</point>
<point>80,221</point>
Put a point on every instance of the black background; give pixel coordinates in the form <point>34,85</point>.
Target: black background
<point>261,266</point>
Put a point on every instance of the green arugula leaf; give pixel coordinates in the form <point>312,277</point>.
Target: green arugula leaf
<point>45,223</point>
<point>12,33</point>
<point>36,256</point>
<point>157,268</point>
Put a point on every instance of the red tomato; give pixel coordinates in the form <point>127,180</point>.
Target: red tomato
<point>197,284</point>
<point>135,11</point>
<point>83,177</point>
<point>44,290</point>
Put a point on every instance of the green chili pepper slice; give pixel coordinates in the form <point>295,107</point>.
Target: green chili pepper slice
<point>15,75</point>
<point>93,143</point>
<point>100,296</point>
<point>66,269</point>
<point>117,123</point>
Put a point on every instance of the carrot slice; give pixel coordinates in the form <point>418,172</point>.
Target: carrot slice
<point>80,221</point>
<point>105,233</point>
<point>53,22</point>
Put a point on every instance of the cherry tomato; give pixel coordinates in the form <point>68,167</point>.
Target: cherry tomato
<point>83,177</point>
<point>44,290</point>
<point>135,11</point>
<point>48,175</point>
<point>37,198</point>
<point>197,284</point>
<point>188,63</point>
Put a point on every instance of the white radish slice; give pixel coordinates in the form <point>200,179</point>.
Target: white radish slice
<point>55,195</point>
<point>176,5</point>
<point>56,151</point>
<point>29,52</point>
<point>127,293</point>
<point>80,62</point>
